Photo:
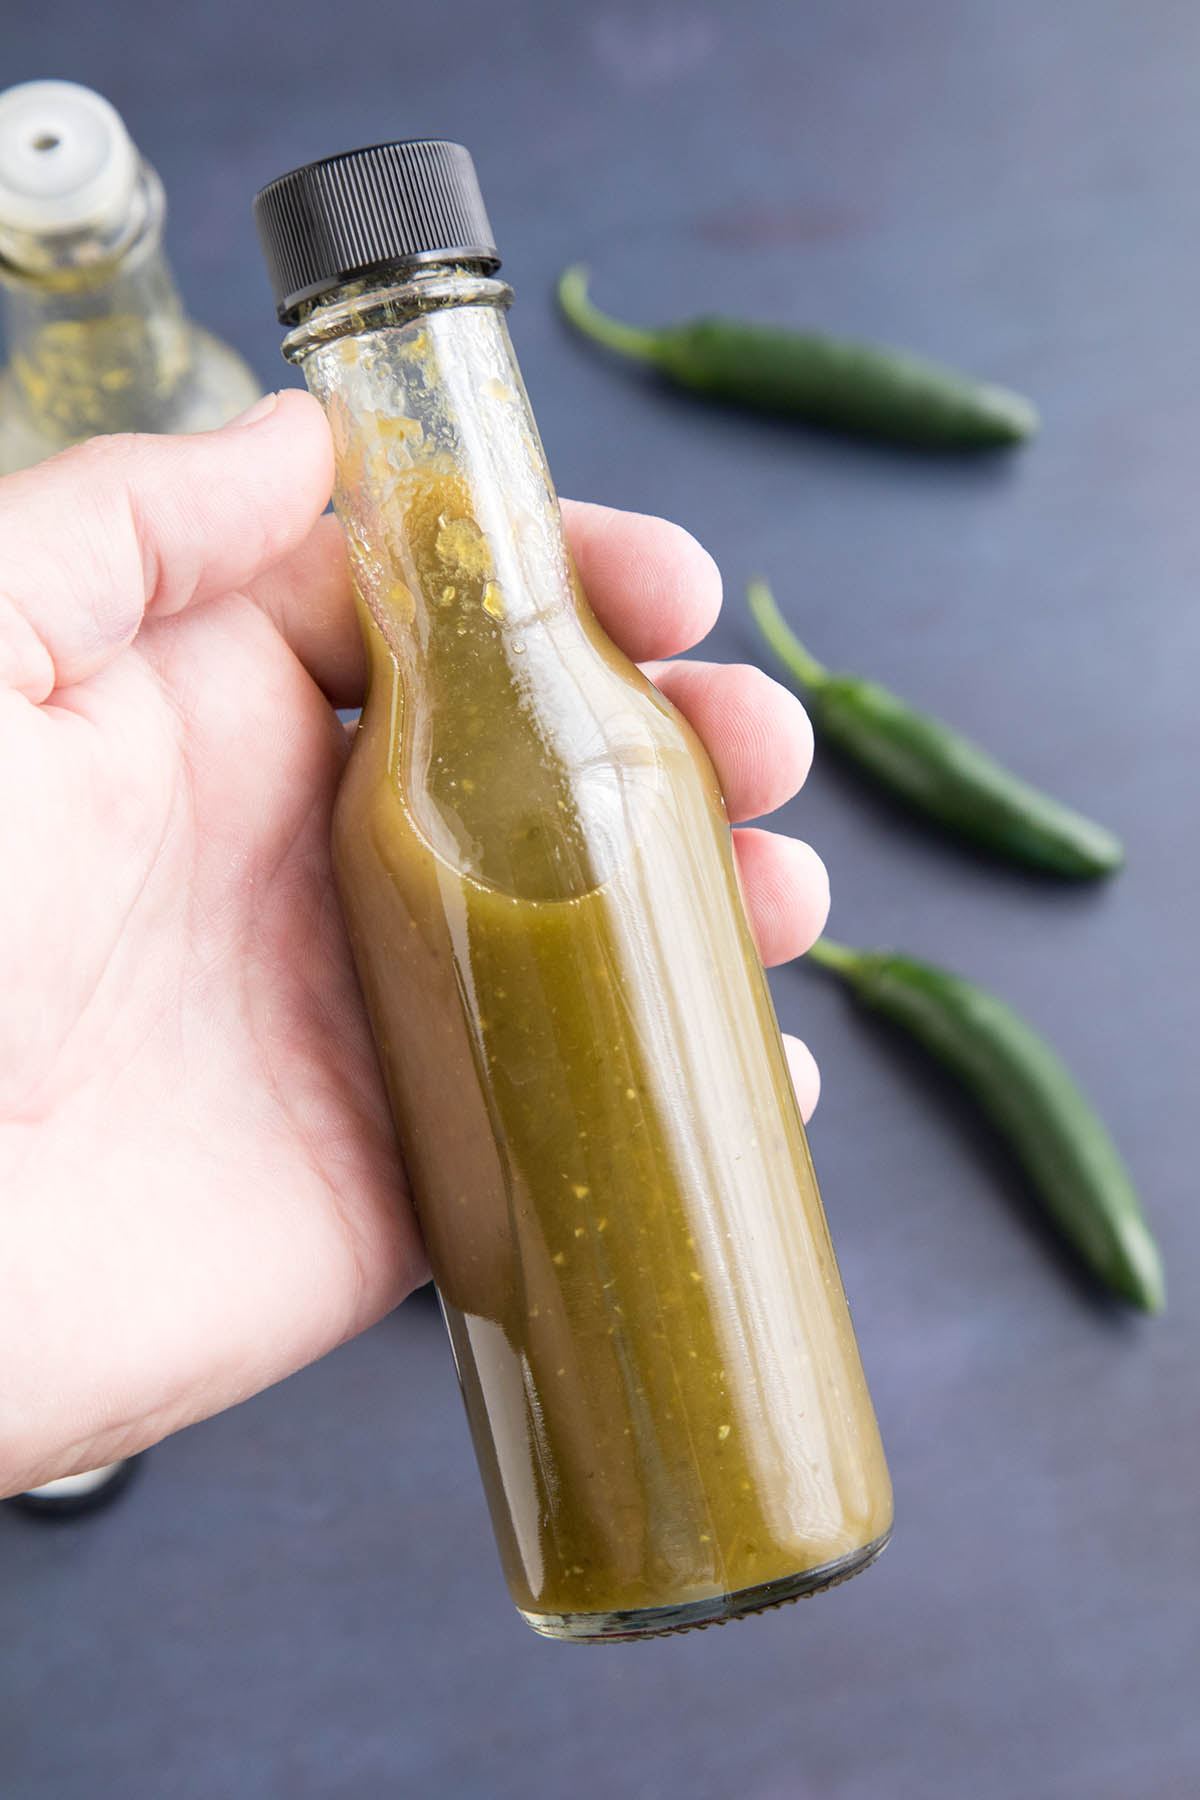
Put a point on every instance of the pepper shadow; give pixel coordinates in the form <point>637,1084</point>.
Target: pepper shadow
<point>898,818</point>
<point>969,465</point>
<point>930,1083</point>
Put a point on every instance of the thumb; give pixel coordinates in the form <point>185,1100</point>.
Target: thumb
<point>97,537</point>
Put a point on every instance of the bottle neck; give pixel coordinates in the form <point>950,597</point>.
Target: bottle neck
<point>97,337</point>
<point>430,421</point>
<point>373,305</point>
<point>499,705</point>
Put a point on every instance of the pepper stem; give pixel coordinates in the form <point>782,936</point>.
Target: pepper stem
<point>838,957</point>
<point>626,339</point>
<point>781,638</point>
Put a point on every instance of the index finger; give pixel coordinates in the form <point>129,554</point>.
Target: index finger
<point>650,584</point>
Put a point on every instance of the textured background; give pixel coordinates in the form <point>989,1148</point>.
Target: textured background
<point>301,1598</point>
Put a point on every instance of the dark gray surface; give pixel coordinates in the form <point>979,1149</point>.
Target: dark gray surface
<point>301,1598</point>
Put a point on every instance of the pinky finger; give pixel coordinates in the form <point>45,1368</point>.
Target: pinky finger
<point>786,890</point>
<point>806,1077</point>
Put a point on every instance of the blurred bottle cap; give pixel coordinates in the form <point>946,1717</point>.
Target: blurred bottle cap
<point>67,163</point>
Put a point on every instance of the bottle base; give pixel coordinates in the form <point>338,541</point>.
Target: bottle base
<point>661,1621</point>
<point>72,1495</point>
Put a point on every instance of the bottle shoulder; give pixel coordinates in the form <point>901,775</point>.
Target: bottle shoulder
<point>219,384</point>
<point>551,802</point>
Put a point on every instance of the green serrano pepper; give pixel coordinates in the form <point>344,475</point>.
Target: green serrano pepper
<point>835,382</point>
<point>1028,1093</point>
<point>935,769</point>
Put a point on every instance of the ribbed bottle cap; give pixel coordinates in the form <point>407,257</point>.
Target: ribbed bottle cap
<point>367,210</point>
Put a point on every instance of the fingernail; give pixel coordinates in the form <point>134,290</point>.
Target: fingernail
<point>258,411</point>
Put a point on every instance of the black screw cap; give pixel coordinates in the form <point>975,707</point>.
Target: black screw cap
<point>348,216</point>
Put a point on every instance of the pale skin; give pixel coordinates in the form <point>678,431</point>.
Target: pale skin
<point>200,1190</point>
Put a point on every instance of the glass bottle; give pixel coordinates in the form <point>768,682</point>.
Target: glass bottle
<point>97,338</point>
<point>98,341</point>
<point>575,1029</point>
<point>72,1495</point>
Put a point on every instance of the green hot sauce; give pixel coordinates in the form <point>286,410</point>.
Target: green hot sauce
<point>587,1078</point>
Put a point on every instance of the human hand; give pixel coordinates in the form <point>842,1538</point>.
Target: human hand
<point>199,1188</point>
